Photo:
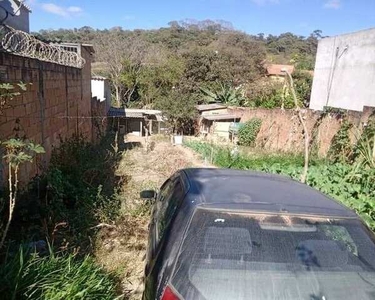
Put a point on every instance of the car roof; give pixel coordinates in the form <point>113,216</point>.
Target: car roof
<point>257,191</point>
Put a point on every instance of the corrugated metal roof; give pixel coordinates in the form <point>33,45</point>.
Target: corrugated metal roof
<point>221,117</point>
<point>212,106</point>
<point>132,112</point>
<point>116,112</point>
<point>98,77</point>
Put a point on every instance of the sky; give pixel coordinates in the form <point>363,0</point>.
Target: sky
<point>252,16</point>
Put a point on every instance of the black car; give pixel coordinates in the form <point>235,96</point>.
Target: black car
<point>224,234</point>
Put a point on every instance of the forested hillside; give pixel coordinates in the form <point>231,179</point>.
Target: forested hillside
<point>190,62</point>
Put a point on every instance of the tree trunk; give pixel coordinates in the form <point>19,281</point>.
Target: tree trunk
<point>11,203</point>
<point>131,91</point>
<point>118,100</point>
<point>306,133</point>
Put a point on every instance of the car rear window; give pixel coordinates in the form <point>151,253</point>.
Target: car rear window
<point>259,256</point>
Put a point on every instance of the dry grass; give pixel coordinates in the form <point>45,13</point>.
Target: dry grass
<point>122,249</point>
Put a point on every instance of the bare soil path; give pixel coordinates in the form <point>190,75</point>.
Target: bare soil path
<point>121,249</point>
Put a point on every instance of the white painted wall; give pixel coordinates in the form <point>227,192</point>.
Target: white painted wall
<point>97,89</point>
<point>101,90</point>
<point>344,75</point>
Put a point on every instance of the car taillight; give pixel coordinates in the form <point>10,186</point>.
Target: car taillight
<point>169,294</point>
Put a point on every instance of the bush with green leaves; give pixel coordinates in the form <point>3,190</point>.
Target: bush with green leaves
<point>341,147</point>
<point>81,189</point>
<point>54,277</point>
<point>17,153</point>
<point>270,94</point>
<point>264,93</point>
<point>248,132</point>
<point>365,146</point>
<point>9,91</point>
<point>224,94</point>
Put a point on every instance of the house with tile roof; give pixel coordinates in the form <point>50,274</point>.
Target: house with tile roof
<point>277,72</point>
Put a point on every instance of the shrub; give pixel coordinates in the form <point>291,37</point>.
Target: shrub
<point>225,94</point>
<point>303,85</point>
<point>249,131</point>
<point>264,93</point>
<point>365,139</point>
<point>81,191</point>
<point>340,149</point>
<point>29,276</point>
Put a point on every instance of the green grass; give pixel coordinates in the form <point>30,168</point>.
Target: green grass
<point>334,179</point>
<point>221,156</point>
<point>29,276</point>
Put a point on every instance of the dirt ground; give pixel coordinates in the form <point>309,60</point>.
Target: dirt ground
<point>144,165</point>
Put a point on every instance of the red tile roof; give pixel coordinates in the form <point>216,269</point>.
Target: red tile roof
<point>278,69</point>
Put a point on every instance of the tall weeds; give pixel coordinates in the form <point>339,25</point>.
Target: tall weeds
<point>29,276</point>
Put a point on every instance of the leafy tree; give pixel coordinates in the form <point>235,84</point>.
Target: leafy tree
<point>122,57</point>
<point>158,79</point>
<point>144,65</point>
<point>179,110</point>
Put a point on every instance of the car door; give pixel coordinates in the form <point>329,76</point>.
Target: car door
<point>162,198</point>
<point>169,199</point>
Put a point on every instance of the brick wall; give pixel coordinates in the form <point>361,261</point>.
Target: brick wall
<point>99,123</point>
<point>281,129</point>
<point>51,108</point>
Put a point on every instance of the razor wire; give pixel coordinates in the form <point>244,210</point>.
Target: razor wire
<point>24,44</point>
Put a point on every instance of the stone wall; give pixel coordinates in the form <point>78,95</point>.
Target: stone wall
<point>56,105</point>
<point>281,129</point>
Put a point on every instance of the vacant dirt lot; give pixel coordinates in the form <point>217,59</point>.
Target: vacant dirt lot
<point>121,247</point>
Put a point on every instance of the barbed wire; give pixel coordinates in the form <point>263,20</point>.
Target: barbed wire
<point>24,44</point>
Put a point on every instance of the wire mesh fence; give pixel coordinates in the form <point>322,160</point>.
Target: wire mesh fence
<point>24,44</point>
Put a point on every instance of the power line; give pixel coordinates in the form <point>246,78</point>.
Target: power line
<point>62,117</point>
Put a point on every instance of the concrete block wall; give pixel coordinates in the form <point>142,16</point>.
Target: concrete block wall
<point>344,75</point>
<point>57,104</point>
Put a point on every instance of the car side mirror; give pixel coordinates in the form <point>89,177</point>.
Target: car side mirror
<point>148,194</point>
